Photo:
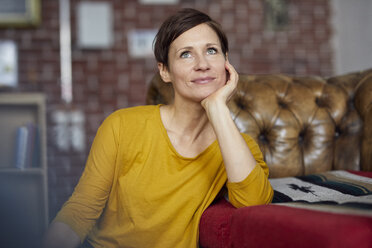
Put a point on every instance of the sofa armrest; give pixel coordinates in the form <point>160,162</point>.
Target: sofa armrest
<point>300,223</point>
<point>281,226</point>
<point>222,226</point>
<point>215,225</point>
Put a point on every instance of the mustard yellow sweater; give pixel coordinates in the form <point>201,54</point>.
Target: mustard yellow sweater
<point>137,191</point>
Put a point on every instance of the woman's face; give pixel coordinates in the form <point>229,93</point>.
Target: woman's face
<point>196,64</point>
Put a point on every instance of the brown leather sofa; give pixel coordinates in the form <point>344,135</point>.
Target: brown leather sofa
<point>303,125</point>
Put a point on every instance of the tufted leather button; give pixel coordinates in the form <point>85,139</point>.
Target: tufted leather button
<point>320,102</point>
<point>282,104</point>
<point>240,103</point>
<point>263,137</point>
<point>350,104</point>
<point>301,137</point>
<point>337,132</point>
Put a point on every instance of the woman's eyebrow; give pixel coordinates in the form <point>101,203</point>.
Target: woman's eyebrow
<point>212,44</point>
<point>190,47</point>
<point>184,48</point>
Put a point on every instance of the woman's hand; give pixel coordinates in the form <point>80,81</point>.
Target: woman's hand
<point>223,94</point>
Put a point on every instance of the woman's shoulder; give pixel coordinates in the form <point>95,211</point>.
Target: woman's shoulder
<point>141,109</point>
<point>135,113</point>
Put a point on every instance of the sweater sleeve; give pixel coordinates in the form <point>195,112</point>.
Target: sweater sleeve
<point>255,189</point>
<point>86,204</point>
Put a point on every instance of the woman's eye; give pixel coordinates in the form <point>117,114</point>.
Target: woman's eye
<point>211,50</point>
<point>185,55</point>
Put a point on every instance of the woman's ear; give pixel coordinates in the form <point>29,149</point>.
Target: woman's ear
<point>164,73</point>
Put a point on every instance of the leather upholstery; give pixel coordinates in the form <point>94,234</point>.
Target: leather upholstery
<point>303,125</point>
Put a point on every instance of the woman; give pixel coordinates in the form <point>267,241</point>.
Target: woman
<point>153,170</point>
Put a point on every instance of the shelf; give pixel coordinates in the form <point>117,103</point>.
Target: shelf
<point>23,192</point>
<point>22,171</point>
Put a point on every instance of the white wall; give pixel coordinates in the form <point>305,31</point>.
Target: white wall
<point>352,35</point>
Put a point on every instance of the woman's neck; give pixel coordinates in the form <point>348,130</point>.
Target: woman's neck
<point>188,120</point>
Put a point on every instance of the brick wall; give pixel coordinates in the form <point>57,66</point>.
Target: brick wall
<point>108,79</point>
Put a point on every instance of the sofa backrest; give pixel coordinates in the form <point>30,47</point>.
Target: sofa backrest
<point>303,125</point>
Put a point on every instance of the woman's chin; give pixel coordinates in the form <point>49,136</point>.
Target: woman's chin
<point>204,96</point>
<point>198,95</point>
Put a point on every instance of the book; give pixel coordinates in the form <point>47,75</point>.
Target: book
<point>21,147</point>
<point>35,161</point>
<point>27,146</point>
<point>31,129</point>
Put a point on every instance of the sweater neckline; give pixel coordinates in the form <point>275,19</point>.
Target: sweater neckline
<point>164,132</point>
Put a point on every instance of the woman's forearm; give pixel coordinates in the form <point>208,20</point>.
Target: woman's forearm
<point>60,235</point>
<point>238,159</point>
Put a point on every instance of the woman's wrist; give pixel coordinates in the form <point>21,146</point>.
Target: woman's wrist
<point>216,111</point>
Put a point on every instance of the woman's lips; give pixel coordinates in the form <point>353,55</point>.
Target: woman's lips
<point>203,80</point>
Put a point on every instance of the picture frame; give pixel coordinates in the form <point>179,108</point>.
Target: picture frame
<point>8,64</point>
<point>276,14</point>
<point>20,13</point>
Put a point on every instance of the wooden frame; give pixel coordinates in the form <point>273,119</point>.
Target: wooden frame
<point>24,203</point>
<point>20,13</point>
<point>276,14</point>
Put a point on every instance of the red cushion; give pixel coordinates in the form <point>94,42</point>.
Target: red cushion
<point>280,226</point>
<point>362,173</point>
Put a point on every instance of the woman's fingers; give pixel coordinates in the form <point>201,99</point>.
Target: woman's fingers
<point>233,78</point>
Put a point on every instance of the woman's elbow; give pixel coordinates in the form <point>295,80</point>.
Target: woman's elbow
<point>261,197</point>
<point>60,235</point>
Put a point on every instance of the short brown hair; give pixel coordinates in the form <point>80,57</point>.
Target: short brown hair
<point>179,23</point>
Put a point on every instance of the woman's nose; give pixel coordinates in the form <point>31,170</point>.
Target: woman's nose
<point>201,63</point>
